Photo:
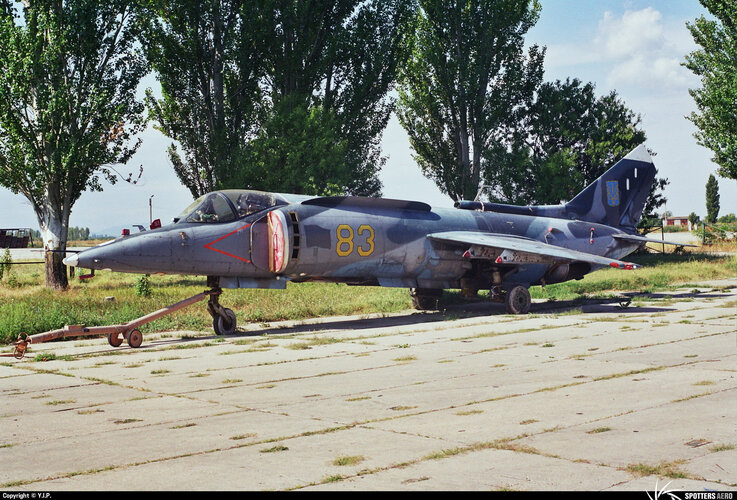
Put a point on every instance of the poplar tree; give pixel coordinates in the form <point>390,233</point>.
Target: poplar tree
<point>716,63</point>
<point>712,199</point>
<point>466,82</point>
<point>68,111</point>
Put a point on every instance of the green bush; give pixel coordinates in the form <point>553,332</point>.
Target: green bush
<point>143,286</point>
<point>6,263</point>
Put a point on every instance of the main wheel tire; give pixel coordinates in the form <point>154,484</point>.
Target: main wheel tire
<point>224,326</point>
<point>518,300</point>
<point>135,339</point>
<point>114,339</point>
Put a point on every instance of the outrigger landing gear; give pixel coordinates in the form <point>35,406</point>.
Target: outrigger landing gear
<point>425,299</point>
<point>223,319</point>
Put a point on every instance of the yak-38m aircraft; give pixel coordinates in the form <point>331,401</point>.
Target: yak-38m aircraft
<point>252,239</point>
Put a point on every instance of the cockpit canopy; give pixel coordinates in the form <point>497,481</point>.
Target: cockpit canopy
<point>229,205</point>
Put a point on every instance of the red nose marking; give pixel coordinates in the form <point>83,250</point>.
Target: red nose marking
<point>209,245</point>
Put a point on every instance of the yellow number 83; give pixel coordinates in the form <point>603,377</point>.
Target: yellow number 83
<point>345,244</point>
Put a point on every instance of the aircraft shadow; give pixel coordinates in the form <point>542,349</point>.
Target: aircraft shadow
<point>473,308</point>
<point>451,311</point>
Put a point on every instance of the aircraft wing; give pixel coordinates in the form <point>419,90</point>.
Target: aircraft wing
<point>510,245</point>
<point>635,237</point>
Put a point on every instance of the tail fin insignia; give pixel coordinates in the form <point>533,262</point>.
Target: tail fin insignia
<point>612,193</point>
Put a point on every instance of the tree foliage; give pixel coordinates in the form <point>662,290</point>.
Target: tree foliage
<point>279,95</point>
<point>68,110</point>
<point>566,139</point>
<point>333,64</point>
<point>712,200</point>
<point>463,88</point>
<point>716,64</point>
<point>209,57</point>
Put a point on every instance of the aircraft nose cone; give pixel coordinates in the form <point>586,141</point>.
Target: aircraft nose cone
<point>71,260</point>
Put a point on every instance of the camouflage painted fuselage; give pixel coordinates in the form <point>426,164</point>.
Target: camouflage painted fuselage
<point>377,245</point>
<point>262,240</point>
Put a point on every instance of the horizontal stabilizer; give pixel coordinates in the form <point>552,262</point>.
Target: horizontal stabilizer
<point>518,244</point>
<point>634,237</point>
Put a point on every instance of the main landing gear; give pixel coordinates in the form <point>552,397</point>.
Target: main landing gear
<point>516,298</point>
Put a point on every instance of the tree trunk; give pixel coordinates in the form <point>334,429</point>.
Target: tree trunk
<point>54,233</point>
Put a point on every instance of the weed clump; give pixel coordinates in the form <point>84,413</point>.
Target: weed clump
<point>143,286</point>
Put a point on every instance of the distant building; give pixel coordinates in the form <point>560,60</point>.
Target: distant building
<point>15,238</point>
<point>677,221</point>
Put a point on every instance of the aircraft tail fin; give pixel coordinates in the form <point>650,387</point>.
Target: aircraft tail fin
<point>618,197</point>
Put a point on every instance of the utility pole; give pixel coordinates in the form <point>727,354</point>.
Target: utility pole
<point>150,210</point>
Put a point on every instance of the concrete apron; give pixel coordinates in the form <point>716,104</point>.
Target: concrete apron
<point>592,399</point>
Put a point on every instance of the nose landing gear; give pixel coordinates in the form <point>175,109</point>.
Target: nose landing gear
<point>223,319</point>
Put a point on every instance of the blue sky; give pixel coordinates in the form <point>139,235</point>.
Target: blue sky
<point>633,47</point>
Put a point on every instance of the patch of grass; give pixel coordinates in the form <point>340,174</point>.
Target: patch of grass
<point>127,421</point>
<point>183,426</point>
<point>243,436</point>
<point>275,449</point>
<point>333,479</point>
<point>198,375</point>
<point>60,402</point>
<point>721,447</point>
<point>405,359</point>
<point>469,412</point>
<point>666,469</point>
<point>693,396</point>
<point>50,356</point>
<point>348,460</point>
<point>313,342</point>
<point>159,372</point>
<point>599,430</point>
<point>90,412</point>
<point>548,345</point>
<point>34,309</point>
<point>358,398</point>
<point>232,380</point>
<point>402,408</point>
<point>705,382</point>
<point>6,445</point>
<point>528,421</point>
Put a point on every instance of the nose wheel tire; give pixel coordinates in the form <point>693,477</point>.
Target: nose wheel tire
<point>135,338</point>
<point>224,325</point>
<point>518,300</point>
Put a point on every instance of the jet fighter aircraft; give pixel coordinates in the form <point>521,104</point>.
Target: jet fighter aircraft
<point>253,239</point>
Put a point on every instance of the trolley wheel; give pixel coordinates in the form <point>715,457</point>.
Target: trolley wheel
<point>135,338</point>
<point>114,339</point>
<point>224,326</point>
<point>518,300</point>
